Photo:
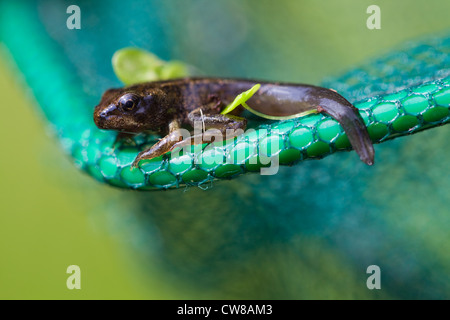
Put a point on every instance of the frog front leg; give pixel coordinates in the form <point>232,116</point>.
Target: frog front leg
<point>163,146</point>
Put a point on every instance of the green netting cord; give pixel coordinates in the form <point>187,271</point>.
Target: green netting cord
<point>61,97</point>
<point>314,136</point>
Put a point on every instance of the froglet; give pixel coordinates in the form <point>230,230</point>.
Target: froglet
<point>164,107</point>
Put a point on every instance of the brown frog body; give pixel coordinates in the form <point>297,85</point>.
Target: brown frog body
<point>166,106</point>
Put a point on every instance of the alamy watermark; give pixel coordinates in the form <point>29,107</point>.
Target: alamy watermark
<point>374,20</point>
<point>74,20</point>
<point>374,280</point>
<point>74,280</point>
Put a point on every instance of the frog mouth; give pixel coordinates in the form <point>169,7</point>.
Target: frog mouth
<point>117,123</point>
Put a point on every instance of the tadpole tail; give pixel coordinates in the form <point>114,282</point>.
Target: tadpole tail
<point>353,124</point>
<point>359,138</point>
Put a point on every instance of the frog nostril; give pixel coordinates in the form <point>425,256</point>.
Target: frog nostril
<point>100,118</point>
<point>106,112</point>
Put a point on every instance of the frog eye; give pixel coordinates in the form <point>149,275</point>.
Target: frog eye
<point>128,101</point>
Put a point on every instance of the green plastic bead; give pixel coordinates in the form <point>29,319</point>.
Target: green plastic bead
<point>283,127</point>
<point>367,104</point>
<point>126,157</point>
<point>289,156</point>
<point>106,148</point>
<point>271,145</point>
<point>377,131</point>
<point>93,153</point>
<point>254,164</point>
<point>195,175</point>
<point>318,149</point>
<point>442,97</point>
<point>426,89</point>
<point>210,158</point>
<point>180,164</point>
<point>102,136</point>
<point>385,112</point>
<point>365,117</point>
<point>132,176</point>
<point>301,137</point>
<point>415,104</point>
<point>251,135</point>
<point>108,167</point>
<point>149,166</point>
<point>162,178</point>
<point>405,123</point>
<point>241,152</point>
<point>227,171</point>
<point>342,142</point>
<point>435,114</point>
<point>311,120</point>
<point>396,96</point>
<point>328,130</point>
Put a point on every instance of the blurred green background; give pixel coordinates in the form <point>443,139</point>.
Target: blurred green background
<point>309,232</point>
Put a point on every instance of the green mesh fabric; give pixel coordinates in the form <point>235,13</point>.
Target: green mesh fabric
<point>408,101</point>
<point>410,65</point>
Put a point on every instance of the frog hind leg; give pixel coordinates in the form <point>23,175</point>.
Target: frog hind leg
<point>226,127</point>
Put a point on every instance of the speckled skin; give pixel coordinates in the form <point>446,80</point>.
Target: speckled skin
<point>166,106</point>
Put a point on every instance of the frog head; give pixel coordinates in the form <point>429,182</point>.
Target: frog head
<point>130,110</point>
